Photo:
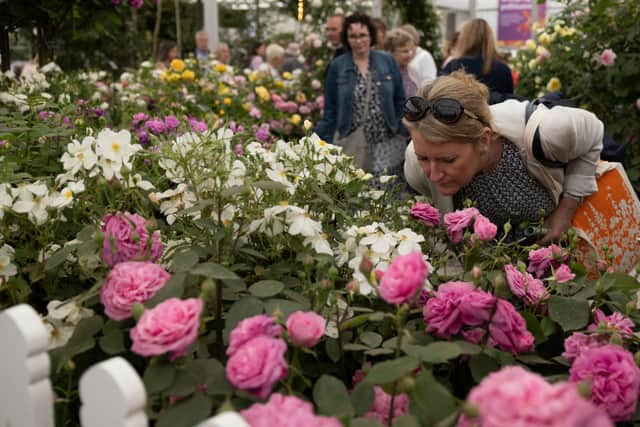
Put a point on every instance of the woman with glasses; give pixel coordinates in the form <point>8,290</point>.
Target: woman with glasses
<point>363,91</point>
<point>463,149</point>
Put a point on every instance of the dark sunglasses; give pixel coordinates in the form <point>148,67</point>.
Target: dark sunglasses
<point>445,110</point>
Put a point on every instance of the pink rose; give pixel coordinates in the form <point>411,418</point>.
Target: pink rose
<point>614,378</point>
<point>404,277</point>
<point>252,327</point>
<point>516,397</point>
<point>258,365</point>
<point>616,322</point>
<point>564,274</point>
<point>126,239</point>
<point>305,329</point>
<point>525,287</point>
<point>128,283</point>
<point>578,342</point>
<point>541,259</point>
<point>484,229</point>
<point>508,329</point>
<point>382,404</point>
<point>426,213</point>
<point>454,305</point>
<point>283,410</point>
<point>171,326</point>
<point>457,221</point>
<point>608,57</point>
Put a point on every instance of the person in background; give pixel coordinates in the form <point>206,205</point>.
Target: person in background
<point>422,66</point>
<point>400,44</point>
<point>463,148</point>
<point>333,28</point>
<point>167,52</point>
<point>257,57</point>
<point>476,53</point>
<point>223,53</point>
<point>274,60</point>
<point>448,46</point>
<point>381,32</point>
<point>202,46</point>
<point>291,55</point>
<point>351,76</point>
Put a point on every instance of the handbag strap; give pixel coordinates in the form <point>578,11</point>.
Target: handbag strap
<point>367,97</point>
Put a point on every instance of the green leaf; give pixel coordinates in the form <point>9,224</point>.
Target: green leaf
<point>331,397</point>
<point>174,288</point>
<point>284,306</point>
<point>482,365</point>
<point>213,376</point>
<point>184,261</point>
<point>549,327</point>
<point>406,421</point>
<point>58,257</point>
<point>430,400</point>
<point>332,347</point>
<point>241,309</point>
<point>187,412</point>
<point>214,271</point>
<point>371,339</point>
<point>112,342</point>
<point>436,352</point>
<point>362,397</point>
<point>533,359</point>
<point>87,233</point>
<point>266,288</point>
<point>86,329</point>
<point>392,370</point>
<point>366,422</point>
<point>569,313</point>
<point>269,185</point>
<point>624,282</point>
<point>159,376</point>
<point>534,326</point>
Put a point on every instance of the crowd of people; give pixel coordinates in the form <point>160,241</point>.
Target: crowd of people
<point>446,131</point>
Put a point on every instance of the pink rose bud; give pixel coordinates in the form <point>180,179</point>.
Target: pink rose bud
<point>129,283</point>
<point>564,274</point>
<point>608,57</point>
<point>171,326</point>
<point>457,221</point>
<point>305,328</point>
<point>484,229</point>
<point>365,266</point>
<point>404,278</point>
<point>426,213</point>
<point>126,237</point>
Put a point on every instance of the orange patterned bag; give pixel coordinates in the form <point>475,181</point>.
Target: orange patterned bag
<point>610,218</point>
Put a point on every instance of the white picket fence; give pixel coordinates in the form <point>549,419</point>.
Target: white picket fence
<point>111,392</point>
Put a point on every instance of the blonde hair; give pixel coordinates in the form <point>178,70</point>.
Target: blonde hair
<point>473,96</point>
<point>476,38</point>
<point>412,31</point>
<point>396,39</point>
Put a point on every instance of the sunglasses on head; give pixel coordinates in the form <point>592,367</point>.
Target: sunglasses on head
<point>445,110</point>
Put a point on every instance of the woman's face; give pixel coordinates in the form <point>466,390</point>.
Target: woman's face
<point>450,166</point>
<point>172,54</point>
<point>359,39</point>
<point>404,55</point>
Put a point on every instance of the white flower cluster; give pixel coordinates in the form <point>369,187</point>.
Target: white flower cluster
<point>62,319</point>
<point>7,267</point>
<point>379,245</point>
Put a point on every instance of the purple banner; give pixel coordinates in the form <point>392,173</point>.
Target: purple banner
<point>514,20</point>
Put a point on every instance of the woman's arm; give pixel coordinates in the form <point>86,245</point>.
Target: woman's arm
<point>326,127</point>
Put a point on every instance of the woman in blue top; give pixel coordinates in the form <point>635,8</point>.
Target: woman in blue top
<point>475,52</point>
<point>345,97</point>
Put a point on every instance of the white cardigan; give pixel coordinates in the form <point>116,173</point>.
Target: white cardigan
<point>568,135</point>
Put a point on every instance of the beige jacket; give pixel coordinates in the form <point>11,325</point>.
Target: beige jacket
<point>569,135</point>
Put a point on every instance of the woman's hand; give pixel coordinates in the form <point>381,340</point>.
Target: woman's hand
<point>559,222</point>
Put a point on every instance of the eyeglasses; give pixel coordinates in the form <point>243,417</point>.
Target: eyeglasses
<point>445,110</point>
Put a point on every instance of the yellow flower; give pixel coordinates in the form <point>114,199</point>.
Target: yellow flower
<point>533,64</point>
<point>221,68</point>
<point>164,76</point>
<point>188,75</point>
<point>227,101</point>
<point>537,79</point>
<point>279,84</point>
<point>253,76</point>
<point>223,89</point>
<point>301,98</point>
<point>173,77</point>
<point>246,106</point>
<point>530,44</point>
<point>554,84</point>
<point>544,39</point>
<point>295,119</point>
<point>319,63</point>
<point>177,64</point>
<point>221,112</point>
<point>287,75</point>
<point>307,125</point>
<point>262,93</point>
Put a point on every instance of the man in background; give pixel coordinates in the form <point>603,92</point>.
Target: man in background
<point>202,46</point>
<point>334,30</point>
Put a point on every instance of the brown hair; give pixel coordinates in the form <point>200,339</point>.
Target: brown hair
<point>476,38</point>
<point>473,96</point>
<point>396,39</point>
